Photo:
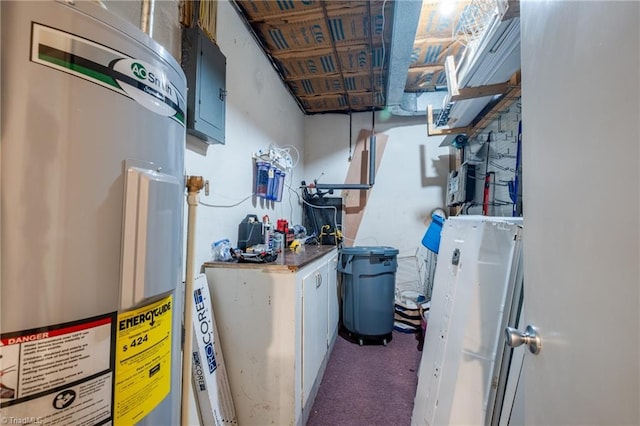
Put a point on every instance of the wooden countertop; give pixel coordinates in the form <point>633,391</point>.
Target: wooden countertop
<point>287,261</point>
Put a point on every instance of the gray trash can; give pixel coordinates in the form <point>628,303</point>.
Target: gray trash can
<point>368,291</point>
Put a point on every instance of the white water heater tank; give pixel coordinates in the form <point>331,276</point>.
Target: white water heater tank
<point>92,187</point>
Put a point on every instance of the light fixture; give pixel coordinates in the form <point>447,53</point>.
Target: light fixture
<point>447,7</point>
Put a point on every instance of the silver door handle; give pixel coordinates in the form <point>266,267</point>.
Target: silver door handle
<point>530,337</point>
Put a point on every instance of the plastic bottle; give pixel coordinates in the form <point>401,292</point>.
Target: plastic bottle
<point>266,232</point>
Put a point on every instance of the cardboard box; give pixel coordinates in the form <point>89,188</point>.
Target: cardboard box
<point>335,102</point>
<point>334,84</point>
<point>260,9</point>
<point>360,101</point>
<point>353,59</point>
<point>425,78</point>
<point>298,33</point>
<point>367,100</point>
<point>348,25</point>
<point>358,58</point>
<point>320,62</point>
<point>432,51</point>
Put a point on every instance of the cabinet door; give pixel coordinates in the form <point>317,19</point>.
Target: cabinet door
<point>333,298</point>
<point>314,326</point>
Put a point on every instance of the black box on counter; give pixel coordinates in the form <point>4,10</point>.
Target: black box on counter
<point>249,232</point>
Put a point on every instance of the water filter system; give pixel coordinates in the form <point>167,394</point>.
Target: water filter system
<point>269,182</point>
<point>92,186</point>
<point>271,168</point>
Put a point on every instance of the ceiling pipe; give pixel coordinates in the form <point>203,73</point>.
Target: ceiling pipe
<point>146,16</point>
<point>406,16</point>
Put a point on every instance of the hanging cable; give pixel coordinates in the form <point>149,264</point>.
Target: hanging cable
<point>225,206</point>
<point>350,133</point>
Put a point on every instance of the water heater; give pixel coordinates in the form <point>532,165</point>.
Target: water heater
<point>92,181</point>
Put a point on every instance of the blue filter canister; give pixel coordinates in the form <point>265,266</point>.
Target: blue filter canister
<point>271,184</point>
<point>262,179</point>
<point>280,185</point>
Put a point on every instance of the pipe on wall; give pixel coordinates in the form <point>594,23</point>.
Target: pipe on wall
<point>194,185</point>
<point>146,16</point>
<point>362,186</point>
<point>372,160</point>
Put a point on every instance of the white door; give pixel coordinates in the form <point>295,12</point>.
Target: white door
<point>581,115</point>
<point>314,327</point>
<point>333,301</point>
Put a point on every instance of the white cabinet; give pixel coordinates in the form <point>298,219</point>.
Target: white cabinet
<point>314,327</point>
<point>334,298</point>
<point>276,331</point>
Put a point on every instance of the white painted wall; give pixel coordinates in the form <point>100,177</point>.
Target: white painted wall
<point>410,182</point>
<point>259,112</point>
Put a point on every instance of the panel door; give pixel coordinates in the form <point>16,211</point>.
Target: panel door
<point>581,104</point>
<point>314,326</point>
<point>333,298</point>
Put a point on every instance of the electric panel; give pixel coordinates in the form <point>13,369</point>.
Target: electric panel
<point>461,185</point>
<point>205,67</point>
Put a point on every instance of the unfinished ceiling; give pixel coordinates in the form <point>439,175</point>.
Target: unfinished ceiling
<point>335,56</point>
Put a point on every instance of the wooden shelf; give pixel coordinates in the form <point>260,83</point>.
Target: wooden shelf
<point>510,90</point>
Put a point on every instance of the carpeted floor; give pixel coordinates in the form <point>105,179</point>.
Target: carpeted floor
<point>368,385</point>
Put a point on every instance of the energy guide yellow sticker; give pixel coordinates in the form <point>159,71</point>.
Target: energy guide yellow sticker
<point>143,360</point>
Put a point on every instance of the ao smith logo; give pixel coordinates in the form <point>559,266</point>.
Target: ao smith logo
<point>149,316</point>
<point>155,80</point>
<point>139,70</point>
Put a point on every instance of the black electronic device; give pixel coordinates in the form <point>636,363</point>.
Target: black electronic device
<point>323,215</point>
<point>249,232</point>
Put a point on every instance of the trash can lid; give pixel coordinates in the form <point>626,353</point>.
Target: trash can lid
<point>369,251</point>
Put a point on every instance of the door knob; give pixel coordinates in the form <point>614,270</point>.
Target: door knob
<point>530,337</point>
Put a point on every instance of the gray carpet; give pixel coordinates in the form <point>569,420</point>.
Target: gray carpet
<point>368,385</point>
